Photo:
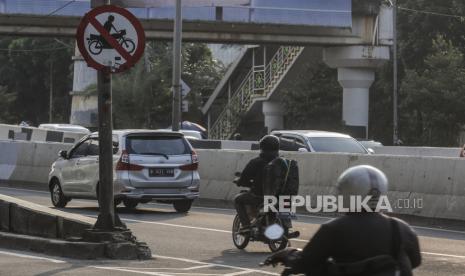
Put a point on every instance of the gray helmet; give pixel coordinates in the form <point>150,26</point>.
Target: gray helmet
<point>363,181</point>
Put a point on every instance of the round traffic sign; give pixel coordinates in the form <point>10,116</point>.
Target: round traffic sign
<point>110,38</point>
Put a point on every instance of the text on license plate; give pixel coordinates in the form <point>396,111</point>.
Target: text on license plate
<point>157,172</point>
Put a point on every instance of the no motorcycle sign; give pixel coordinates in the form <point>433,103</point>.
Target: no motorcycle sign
<point>110,38</point>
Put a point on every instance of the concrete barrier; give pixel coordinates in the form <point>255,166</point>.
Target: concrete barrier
<point>437,183</point>
<point>13,132</point>
<point>28,162</point>
<point>418,151</point>
<point>225,144</point>
<point>433,183</point>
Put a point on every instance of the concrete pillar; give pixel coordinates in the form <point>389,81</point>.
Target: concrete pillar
<point>356,73</point>
<point>274,115</point>
<point>84,109</point>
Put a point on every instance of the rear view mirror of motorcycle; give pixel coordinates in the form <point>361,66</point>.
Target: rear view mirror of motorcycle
<point>274,232</point>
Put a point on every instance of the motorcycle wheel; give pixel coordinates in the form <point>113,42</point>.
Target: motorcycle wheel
<point>278,245</point>
<point>95,47</point>
<point>240,240</point>
<point>128,45</point>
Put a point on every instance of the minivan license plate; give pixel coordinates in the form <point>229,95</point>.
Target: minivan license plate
<point>157,172</point>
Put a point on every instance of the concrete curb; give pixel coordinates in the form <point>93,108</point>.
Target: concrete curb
<point>28,226</point>
<point>54,247</point>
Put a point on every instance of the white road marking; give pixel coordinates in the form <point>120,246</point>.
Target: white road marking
<point>27,256</point>
<point>439,230</point>
<point>166,268</point>
<point>215,264</point>
<point>177,225</point>
<point>443,255</point>
<point>131,271</point>
<point>237,273</point>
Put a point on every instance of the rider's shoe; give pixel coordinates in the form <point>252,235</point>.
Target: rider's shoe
<point>293,235</point>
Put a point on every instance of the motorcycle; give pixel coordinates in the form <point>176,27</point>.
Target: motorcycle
<point>97,43</point>
<point>270,228</point>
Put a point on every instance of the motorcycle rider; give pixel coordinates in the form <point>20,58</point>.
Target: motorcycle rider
<point>253,177</point>
<point>108,26</point>
<point>356,237</point>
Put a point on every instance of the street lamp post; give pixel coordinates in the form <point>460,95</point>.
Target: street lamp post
<point>177,63</point>
<point>395,81</point>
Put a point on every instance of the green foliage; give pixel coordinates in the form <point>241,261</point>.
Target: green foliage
<point>143,97</point>
<point>25,70</point>
<point>435,97</point>
<point>315,103</point>
<point>431,49</point>
<point>6,99</point>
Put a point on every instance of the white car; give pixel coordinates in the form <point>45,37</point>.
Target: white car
<point>65,127</point>
<point>148,165</point>
<point>318,141</point>
<point>192,134</point>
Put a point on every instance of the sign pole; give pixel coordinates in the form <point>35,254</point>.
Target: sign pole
<point>177,47</point>
<point>107,218</point>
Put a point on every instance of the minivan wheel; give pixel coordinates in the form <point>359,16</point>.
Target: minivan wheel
<point>58,198</point>
<point>130,204</point>
<point>182,206</point>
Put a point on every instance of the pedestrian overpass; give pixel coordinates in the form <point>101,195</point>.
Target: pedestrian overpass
<point>355,34</point>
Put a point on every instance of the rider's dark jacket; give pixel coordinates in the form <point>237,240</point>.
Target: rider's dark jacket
<point>253,174</point>
<point>356,237</point>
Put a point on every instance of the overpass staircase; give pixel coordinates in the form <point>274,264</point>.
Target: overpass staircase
<point>258,85</point>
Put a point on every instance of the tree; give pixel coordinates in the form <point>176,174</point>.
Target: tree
<point>315,102</point>
<point>434,97</point>
<point>25,69</point>
<point>6,99</point>
<point>143,97</point>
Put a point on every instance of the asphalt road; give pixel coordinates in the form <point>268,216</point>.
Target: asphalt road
<point>199,243</point>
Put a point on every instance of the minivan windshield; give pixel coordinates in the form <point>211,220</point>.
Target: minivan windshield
<point>336,144</point>
<point>156,145</point>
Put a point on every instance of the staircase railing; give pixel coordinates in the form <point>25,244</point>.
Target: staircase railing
<point>258,84</point>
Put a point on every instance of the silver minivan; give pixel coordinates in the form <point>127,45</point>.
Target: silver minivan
<point>148,165</point>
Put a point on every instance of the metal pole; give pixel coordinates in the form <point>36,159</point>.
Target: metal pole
<point>177,67</point>
<point>50,111</point>
<point>395,81</point>
<point>107,219</point>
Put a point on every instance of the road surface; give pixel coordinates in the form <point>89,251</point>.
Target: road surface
<point>199,243</point>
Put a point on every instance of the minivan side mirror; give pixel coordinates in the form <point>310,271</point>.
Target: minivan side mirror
<point>63,154</point>
<point>370,151</point>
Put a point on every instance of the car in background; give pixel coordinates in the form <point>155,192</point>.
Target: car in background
<point>149,165</point>
<point>191,134</point>
<point>318,141</point>
<point>370,144</point>
<point>65,127</point>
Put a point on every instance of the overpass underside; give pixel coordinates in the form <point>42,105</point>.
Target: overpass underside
<point>198,31</point>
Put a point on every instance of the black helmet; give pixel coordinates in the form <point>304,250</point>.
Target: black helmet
<point>269,143</point>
